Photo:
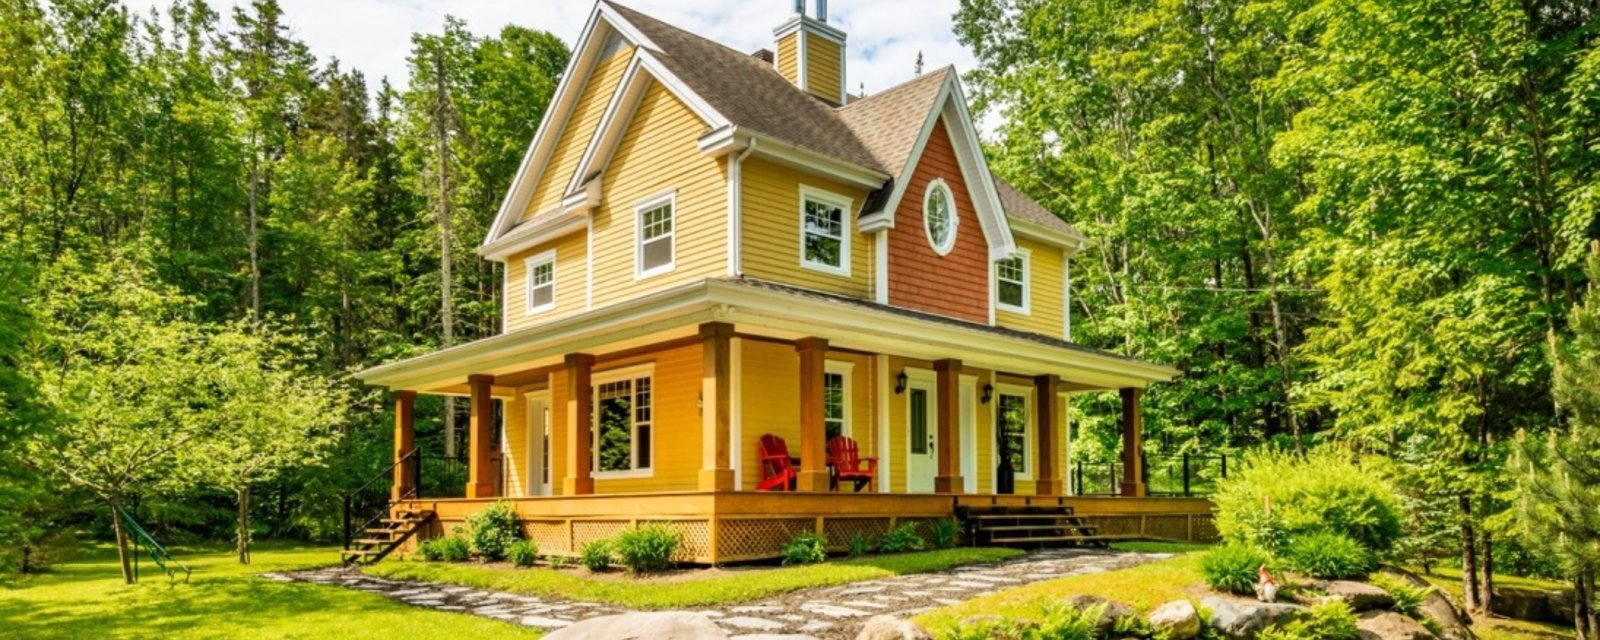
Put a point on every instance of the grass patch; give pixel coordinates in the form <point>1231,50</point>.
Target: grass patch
<point>1143,587</point>
<point>687,590</point>
<point>85,598</point>
<point>1449,579</point>
<point>1498,629</point>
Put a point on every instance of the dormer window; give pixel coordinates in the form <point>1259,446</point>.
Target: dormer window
<point>824,231</point>
<point>939,217</point>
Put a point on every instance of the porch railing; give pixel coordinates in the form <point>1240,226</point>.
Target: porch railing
<point>428,477</point>
<point>1186,475</point>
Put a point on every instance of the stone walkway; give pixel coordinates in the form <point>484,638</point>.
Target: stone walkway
<point>823,613</point>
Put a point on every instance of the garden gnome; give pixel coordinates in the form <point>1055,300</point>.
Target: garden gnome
<point>1266,588</point>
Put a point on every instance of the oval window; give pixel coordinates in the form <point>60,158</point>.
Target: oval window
<point>939,217</point>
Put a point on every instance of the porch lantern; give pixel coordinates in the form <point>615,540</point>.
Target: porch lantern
<point>988,393</point>
<point>900,383</point>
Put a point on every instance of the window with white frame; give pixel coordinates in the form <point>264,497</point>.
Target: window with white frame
<point>623,424</point>
<point>836,399</point>
<point>1011,283</point>
<point>1012,415</point>
<point>939,218</point>
<point>655,251</point>
<point>824,231</point>
<point>541,275</point>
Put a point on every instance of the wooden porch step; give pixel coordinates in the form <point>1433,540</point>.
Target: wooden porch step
<point>1039,527</point>
<point>1061,539</point>
<point>1022,516</point>
<point>373,542</point>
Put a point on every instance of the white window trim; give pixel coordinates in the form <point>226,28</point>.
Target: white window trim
<point>846,371</point>
<point>1027,285</point>
<point>528,265</point>
<point>669,198</point>
<point>955,216</point>
<point>846,229</point>
<point>1028,423</point>
<point>598,378</point>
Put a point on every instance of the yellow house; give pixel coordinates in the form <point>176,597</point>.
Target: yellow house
<point>704,247</point>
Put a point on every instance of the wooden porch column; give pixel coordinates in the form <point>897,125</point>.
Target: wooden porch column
<point>1132,443</point>
<point>1047,404</point>
<point>480,478</point>
<point>813,433</point>
<point>948,479</point>
<point>716,406</point>
<point>405,438</point>
<point>580,424</point>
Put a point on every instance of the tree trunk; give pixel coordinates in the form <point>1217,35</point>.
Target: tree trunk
<point>253,240</point>
<point>243,542</point>
<point>1469,557</point>
<point>123,556</point>
<point>1583,615</point>
<point>26,552</point>
<point>1486,572</point>
<point>447,313</point>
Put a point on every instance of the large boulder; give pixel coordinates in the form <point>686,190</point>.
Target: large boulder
<point>892,628</point>
<point>657,625</point>
<point>1437,607</point>
<point>1111,612</point>
<point>1177,619</point>
<point>1535,605</point>
<point>1243,619</point>
<point>1359,595</point>
<point>1387,625</point>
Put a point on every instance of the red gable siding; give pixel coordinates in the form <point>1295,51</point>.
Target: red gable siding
<point>954,285</point>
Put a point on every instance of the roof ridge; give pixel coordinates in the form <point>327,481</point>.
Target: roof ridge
<point>904,84</point>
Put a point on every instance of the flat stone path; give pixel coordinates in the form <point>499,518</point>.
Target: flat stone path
<point>824,613</point>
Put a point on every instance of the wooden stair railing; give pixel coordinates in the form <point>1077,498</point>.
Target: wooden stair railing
<point>380,541</point>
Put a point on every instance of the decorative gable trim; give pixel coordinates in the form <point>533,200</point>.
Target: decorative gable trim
<point>951,106</point>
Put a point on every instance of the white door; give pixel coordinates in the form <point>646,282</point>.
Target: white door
<point>969,435</point>
<point>539,443</point>
<point>922,436</point>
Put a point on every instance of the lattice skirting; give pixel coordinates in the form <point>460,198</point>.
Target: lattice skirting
<point>1180,527</point>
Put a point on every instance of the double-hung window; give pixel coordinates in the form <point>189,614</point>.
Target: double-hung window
<point>623,421</point>
<point>541,275</point>
<point>836,399</point>
<point>655,250</point>
<point>824,231</point>
<point>1012,414</point>
<point>1011,283</point>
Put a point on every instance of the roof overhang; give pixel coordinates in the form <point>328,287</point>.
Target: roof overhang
<point>1073,243</point>
<point>725,139</point>
<point>760,309</point>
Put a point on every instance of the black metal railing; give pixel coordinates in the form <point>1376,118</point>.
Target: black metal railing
<point>425,477</point>
<point>1184,475</point>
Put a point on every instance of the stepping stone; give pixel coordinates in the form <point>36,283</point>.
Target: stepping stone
<point>917,594</point>
<point>885,596</point>
<point>856,591</point>
<point>407,592</point>
<point>543,623</point>
<point>792,617</point>
<point>869,604</point>
<point>756,608</point>
<point>275,577</point>
<point>816,625</point>
<point>450,607</point>
<point>710,613</point>
<point>755,624</point>
<point>425,602</point>
<point>970,585</point>
<point>947,601</point>
<point>773,636</point>
<point>832,611</point>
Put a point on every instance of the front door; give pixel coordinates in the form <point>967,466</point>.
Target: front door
<point>538,482</point>
<point>922,433</point>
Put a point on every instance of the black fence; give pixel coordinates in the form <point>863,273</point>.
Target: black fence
<point>1186,475</point>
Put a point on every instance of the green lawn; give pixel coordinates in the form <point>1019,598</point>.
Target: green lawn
<point>1448,579</point>
<point>85,598</point>
<point>723,586</point>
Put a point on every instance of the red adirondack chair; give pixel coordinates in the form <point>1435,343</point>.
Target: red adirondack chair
<point>848,465</point>
<point>777,468</point>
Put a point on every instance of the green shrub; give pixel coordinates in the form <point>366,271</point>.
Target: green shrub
<point>559,562</point>
<point>987,627</point>
<point>1408,598</point>
<point>1331,620</point>
<point>1232,568</point>
<point>1329,556</point>
<point>597,555</point>
<point>1323,491</point>
<point>805,547</point>
<point>446,549</point>
<point>860,544</point>
<point>647,548</point>
<point>942,533</point>
<point>1061,622</point>
<point>902,538</point>
<point>523,553</point>
<point>493,530</point>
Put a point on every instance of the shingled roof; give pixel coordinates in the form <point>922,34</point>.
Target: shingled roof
<point>888,122</point>
<point>1018,205</point>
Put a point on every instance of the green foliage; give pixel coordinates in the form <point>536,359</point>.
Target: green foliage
<point>647,548</point>
<point>805,547</point>
<point>493,530</point>
<point>1322,491</point>
<point>522,553</point>
<point>452,548</point>
<point>559,562</point>
<point>597,555</point>
<point>1408,598</point>
<point>860,545</point>
<point>902,538</point>
<point>942,533</point>
<point>1328,555</point>
<point>1233,568</point>
<point>1331,620</point>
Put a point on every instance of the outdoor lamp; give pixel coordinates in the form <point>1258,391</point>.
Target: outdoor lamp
<point>900,383</point>
<point>988,393</point>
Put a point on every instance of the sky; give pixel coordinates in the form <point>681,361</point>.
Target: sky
<point>374,36</point>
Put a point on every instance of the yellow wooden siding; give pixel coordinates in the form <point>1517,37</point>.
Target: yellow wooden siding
<point>768,381</point>
<point>770,230</point>
<point>658,153</point>
<point>578,130</point>
<point>571,281</point>
<point>789,58</point>
<point>516,445</point>
<point>822,68</point>
<point>1045,304</point>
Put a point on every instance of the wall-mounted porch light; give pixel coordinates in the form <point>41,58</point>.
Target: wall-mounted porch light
<point>900,383</point>
<point>988,393</point>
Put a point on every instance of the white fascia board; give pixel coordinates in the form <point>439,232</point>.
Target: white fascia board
<point>975,169</point>
<point>904,179</point>
<point>624,27</point>
<point>724,140</point>
<point>1072,243</point>
<point>540,229</point>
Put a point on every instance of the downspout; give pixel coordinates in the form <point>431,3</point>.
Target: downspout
<point>736,209</point>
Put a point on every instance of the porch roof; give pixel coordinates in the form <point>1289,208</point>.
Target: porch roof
<point>774,310</point>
